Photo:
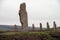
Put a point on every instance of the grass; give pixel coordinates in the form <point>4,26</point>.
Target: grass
<point>42,34</point>
<point>22,33</point>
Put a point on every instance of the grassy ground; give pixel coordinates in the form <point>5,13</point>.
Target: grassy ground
<point>43,35</point>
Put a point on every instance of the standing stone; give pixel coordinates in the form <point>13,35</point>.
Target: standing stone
<point>40,26</point>
<point>33,27</point>
<point>48,27</point>
<point>16,29</point>
<point>23,17</point>
<point>54,25</point>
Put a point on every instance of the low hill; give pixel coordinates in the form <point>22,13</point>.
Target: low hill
<point>11,27</point>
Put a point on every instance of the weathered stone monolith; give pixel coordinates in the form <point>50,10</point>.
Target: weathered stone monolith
<point>54,25</point>
<point>48,27</point>
<point>23,17</point>
<point>33,27</point>
<point>40,26</point>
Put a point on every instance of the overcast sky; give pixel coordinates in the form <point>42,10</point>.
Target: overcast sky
<point>39,11</point>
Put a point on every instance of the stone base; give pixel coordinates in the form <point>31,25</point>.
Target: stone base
<point>25,29</point>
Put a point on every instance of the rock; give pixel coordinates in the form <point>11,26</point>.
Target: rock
<point>48,27</point>
<point>54,25</point>
<point>23,17</point>
<point>16,29</point>
<point>40,26</point>
<point>33,27</point>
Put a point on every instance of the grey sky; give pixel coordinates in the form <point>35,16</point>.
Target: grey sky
<point>38,11</point>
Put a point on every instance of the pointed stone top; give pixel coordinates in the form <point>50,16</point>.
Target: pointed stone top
<point>22,6</point>
<point>54,21</point>
<point>23,3</point>
<point>47,23</point>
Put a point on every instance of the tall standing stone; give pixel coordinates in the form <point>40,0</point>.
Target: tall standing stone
<point>40,26</point>
<point>48,27</point>
<point>33,27</point>
<point>23,17</point>
<point>54,25</point>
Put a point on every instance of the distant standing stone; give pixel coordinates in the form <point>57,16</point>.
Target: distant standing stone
<point>40,26</point>
<point>48,27</point>
<point>54,25</point>
<point>16,29</point>
<point>33,27</point>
